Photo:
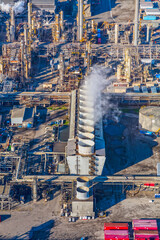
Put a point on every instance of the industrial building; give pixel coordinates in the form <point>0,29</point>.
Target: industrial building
<point>22,117</point>
<point>86,147</point>
<point>84,202</point>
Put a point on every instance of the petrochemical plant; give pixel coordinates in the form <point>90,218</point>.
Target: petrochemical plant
<point>80,119</point>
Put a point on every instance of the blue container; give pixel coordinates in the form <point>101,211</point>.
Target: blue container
<point>98,30</point>
<point>149,18</point>
<point>157,195</point>
<point>158,76</point>
<point>98,35</point>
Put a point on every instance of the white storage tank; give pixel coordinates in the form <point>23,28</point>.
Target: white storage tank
<point>149,118</point>
<point>82,193</point>
<point>86,147</point>
<point>82,182</point>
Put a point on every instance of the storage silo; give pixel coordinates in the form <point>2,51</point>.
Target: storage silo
<point>149,118</point>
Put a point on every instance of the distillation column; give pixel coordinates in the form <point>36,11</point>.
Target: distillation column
<point>116,33</point>
<point>30,18</point>
<point>80,20</point>
<point>148,33</point>
<point>136,22</point>
<point>12,27</point>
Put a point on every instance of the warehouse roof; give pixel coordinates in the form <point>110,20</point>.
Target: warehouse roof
<point>25,113</point>
<point>18,112</point>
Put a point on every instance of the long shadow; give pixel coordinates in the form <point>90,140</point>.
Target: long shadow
<point>103,6</point>
<point>107,196</point>
<point>40,232</point>
<point>125,147</point>
<point>4,217</point>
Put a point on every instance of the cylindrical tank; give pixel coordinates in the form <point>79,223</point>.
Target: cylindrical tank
<point>84,121</point>
<point>85,135</point>
<point>89,104</point>
<point>86,147</point>
<point>85,115</point>
<point>87,109</point>
<point>82,193</point>
<point>149,118</point>
<point>84,128</point>
<point>82,182</point>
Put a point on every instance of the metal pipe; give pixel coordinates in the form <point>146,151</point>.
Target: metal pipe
<point>12,27</point>
<point>116,33</point>
<point>25,35</point>
<point>30,18</point>
<point>148,33</point>
<point>34,189</point>
<point>136,22</point>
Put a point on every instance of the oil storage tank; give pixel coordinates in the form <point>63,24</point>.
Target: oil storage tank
<point>149,118</point>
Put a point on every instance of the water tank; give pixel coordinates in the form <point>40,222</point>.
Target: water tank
<point>82,193</point>
<point>149,118</point>
<point>82,182</point>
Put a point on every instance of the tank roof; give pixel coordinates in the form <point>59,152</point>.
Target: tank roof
<point>149,111</point>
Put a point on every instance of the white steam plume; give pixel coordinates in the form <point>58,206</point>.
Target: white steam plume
<point>5,7</point>
<point>18,7</point>
<point>96,82</point>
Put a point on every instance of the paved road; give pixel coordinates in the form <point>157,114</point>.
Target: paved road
<point>96,179</point>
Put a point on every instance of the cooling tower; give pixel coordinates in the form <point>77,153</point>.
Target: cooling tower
<point>82,182</point>
<point>86,150</point>
<point>82,193</point>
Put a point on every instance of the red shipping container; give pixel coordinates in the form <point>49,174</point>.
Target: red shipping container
<point>116,232</point>
<point>145,234</point>
<point>114,226</point>
<point>149,184</point>
<point>152,184</point>
<point>115,238</point>
<point>146,184</point>
<point>145,238</point>
<point>144,224</point>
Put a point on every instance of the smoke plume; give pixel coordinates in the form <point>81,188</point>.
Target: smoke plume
<point>96,82</point>
<point>18,7</point>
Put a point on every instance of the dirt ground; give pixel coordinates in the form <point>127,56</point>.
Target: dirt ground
<point>42,219</point>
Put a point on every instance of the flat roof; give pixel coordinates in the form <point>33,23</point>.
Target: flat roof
<point>18,112</point>
<point>59,147</point>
